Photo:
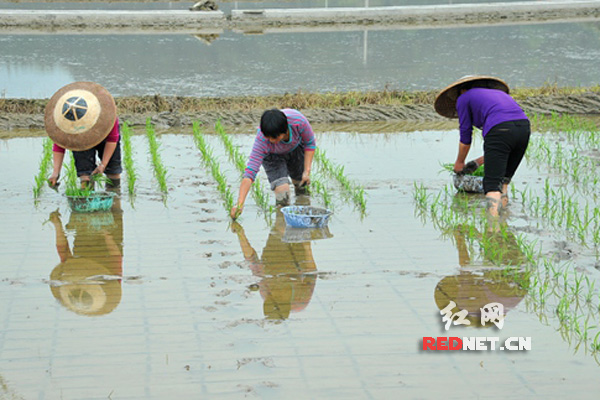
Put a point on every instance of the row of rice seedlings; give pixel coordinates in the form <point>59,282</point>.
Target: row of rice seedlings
<point>567,149</point>
<point>160,172</point>
<point>560,209</point>
<point>318,187</point>
<point>259,193</point>
<point>580,131</point>
<point>354,190</point>
<point>132,174</point>
<point>556,291</point>
<point>581,170</point>
<point>210,161</point>
<point>44,166</point>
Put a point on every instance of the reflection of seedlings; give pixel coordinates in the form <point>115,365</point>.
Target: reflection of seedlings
<point>44,167</point>
<point>353,189</point>
<point>261,196</point>
<point>159,169</point>
<point>128,159</point>
<point>554,291</point>
<point>213,165</point>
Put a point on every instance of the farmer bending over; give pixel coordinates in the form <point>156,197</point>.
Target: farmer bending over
<point>82,117</point>
<point>284,146</point>
<point>484,102</point>
<point>109,153</point>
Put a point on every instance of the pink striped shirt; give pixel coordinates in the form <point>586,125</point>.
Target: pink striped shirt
<point>300,133</point>
<point>113,136</point>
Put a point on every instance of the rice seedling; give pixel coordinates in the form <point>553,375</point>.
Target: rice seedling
<point>259,193</point>
<point>556,292</point>
<point>76,189</point>
<point>478,172</point>
<point>160,172</point>
<point>43,168</point>
<point>128,159</point>
<point>213,165</point>
<point>355,191</point>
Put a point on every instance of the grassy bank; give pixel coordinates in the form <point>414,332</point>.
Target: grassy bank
<point>298,100</point>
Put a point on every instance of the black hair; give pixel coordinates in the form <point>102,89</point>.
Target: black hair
<point>273,123</point>
<point>486,84</point>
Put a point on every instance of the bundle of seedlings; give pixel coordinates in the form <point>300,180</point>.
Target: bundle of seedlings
<point>83,197</point>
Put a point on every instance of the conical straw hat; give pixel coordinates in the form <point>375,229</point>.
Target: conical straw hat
<point>445,102</point>
<point>80,115</point>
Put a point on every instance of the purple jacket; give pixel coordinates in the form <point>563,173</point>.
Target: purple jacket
<point>484,109</point>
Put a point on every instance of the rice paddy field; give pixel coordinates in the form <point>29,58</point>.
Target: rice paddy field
<point>165,297</point>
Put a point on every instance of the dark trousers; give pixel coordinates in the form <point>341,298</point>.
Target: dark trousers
<point>503,149</point>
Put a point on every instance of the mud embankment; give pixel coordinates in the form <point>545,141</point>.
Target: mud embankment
<point>586,104</point>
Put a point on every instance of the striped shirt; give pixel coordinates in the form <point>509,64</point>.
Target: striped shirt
<point>301,133</point>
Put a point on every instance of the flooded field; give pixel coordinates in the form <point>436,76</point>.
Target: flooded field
<point>164,297</point>
<point>232,63</point>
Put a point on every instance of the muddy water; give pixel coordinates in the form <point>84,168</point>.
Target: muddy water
<point>163,296</point>
<point>229,63</point>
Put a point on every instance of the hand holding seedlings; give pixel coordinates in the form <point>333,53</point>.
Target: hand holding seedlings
<point>53,181</point>
<point>99,170</point>
<point>236,211</point>
<point>472,166</point>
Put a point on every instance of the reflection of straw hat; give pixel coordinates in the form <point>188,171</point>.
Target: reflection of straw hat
<point>80,115</point>
<point>472,291</point>
<point>285,294</point>
<point>81,285</point>
<point>445,102</point>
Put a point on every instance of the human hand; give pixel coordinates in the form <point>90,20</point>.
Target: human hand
<point>470,167</point>
<point>459,166</point>
<point>305,179</point>
<point>99,169</point>
<point>236,211</point>
<point>53,181</point>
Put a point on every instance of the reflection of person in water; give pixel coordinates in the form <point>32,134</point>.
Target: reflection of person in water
<point>288,271</point>
<point>472,289</point>
<point>88,279</point>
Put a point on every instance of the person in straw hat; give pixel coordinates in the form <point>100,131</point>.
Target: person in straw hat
<point>484,102</point>
<point>82,117</point>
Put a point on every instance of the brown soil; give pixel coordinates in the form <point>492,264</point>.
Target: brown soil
<point>18,116</point>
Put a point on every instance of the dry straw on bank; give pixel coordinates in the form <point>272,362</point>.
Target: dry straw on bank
<point>298,100</point>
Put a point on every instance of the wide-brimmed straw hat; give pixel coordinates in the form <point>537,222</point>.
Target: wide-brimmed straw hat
<point>80,115</point>
<point>445,102</point>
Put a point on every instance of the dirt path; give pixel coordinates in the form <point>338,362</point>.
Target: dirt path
<point>587,104</point>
